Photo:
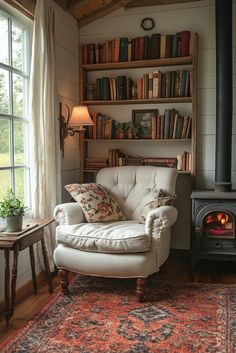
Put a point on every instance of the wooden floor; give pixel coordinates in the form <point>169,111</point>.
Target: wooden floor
<point>175,269</point>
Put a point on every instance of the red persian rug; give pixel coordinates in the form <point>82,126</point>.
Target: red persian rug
<point>102,315</point>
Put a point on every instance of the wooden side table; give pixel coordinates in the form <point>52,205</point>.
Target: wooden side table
<point>32,232</point>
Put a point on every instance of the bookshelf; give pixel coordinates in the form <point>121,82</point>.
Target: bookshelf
<point>189,62</point>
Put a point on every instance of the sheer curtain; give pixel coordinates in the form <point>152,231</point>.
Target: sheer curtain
<point>44,146</point>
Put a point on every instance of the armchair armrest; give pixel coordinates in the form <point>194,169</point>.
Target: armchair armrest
<point>68,214</point>
<point>159,219</point>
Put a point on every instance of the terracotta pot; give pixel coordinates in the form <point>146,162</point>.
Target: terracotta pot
<point>130,134</point>
<point>121,134</point>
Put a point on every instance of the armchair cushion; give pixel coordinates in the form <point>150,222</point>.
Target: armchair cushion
<point>109,237</point>
<point>96,202</point>
<point>162,199</point>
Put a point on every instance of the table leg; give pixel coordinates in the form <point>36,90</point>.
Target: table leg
<point>7,285</point>
<point>14,277</point>
<point>32,261</point>
<point>46,264</point>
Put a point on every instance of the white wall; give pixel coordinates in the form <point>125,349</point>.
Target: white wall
<point>67,63</point>
<point>67,86</point>
<point>197,17</point>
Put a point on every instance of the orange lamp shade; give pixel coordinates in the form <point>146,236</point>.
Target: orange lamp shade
<point>80,116</point>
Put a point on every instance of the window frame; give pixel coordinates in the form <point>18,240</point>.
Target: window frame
<point>15,17</point>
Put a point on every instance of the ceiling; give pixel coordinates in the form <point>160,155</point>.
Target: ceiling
<point>87,11</point>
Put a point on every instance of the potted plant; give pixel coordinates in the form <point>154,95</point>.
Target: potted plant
<point>12,210</point>
<point>131,130</point>
<point>120,129</point>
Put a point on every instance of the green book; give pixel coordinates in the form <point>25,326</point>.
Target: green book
<point>167,116</point>
<point>175,45</point>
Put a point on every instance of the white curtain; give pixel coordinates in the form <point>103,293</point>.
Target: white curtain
<point>44,146</point>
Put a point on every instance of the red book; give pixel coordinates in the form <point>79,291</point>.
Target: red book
<point>184,43</point>
<point>187,85</point>
<point>85,54</point>
<point>140,48</point>
<point>117,50</point>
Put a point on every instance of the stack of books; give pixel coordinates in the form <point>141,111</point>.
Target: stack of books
<point>160,161</point>
<point>94,164</point>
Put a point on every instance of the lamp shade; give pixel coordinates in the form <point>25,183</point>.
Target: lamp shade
<point>80,116</point>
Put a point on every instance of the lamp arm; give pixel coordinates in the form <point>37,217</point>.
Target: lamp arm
<point>68,115</point>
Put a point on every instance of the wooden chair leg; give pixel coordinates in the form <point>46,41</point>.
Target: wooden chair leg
<point>63,274</point>
<point>140,289</point>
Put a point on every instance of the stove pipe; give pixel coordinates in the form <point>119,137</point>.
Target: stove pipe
<point>223,16</point>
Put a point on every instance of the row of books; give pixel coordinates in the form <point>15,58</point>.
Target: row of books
<point>184,161</point>
<point>165,84</point>
<point>117,158</point>
<point>171,125</point>
<point>153,85</point>
<point>157,46</point>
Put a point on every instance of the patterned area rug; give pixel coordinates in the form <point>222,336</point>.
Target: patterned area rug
<point>102,315</point>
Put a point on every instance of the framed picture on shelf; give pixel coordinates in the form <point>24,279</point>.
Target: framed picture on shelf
<point>143,120</point>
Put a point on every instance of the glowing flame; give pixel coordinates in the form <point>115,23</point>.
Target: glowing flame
<point>222,218</point>
<point>209,219</point>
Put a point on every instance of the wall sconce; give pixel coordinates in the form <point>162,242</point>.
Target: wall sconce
<point>73,123</point>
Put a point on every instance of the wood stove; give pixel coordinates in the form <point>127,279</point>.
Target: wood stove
<point>213,232</point>
<point>214,212</point>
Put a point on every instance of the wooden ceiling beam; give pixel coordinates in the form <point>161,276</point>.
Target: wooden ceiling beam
<point>141,3</point>
<point>104,11</point>
<point>27,7</point>
<point>74,4</point>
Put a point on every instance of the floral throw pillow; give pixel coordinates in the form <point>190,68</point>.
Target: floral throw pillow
<point>163,199</point>
<point>96,202</point>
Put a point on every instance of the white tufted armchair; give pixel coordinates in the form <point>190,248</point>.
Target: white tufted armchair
<point>121,249</point>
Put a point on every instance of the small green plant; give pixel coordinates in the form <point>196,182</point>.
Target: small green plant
<point>120,126</point>
<point>11,206</point>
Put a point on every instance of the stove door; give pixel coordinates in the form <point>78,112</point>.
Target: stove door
<point>218,223</point>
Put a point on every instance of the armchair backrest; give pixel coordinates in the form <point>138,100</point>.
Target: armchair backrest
<point>131,185</point>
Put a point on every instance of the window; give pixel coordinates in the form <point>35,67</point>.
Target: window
<point>14,123</point>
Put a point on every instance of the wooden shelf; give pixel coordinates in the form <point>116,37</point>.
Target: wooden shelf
<point>178,63</point>
<point>97,170</point>
<point>141,101</point>
<point>138,140</point>
<point>185,60</point>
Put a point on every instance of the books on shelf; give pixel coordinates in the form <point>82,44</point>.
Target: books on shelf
<point>168,126</point>
<point>155,84</point>
<point>184,161</point>
<point>172,125</point>
<point>157,46</point>
<point>117,158</point>
<point>95,163</point>
<point>104,127</point>
<point>160,161</point>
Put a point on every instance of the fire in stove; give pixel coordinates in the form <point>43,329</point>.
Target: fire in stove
<point>218,223</point>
